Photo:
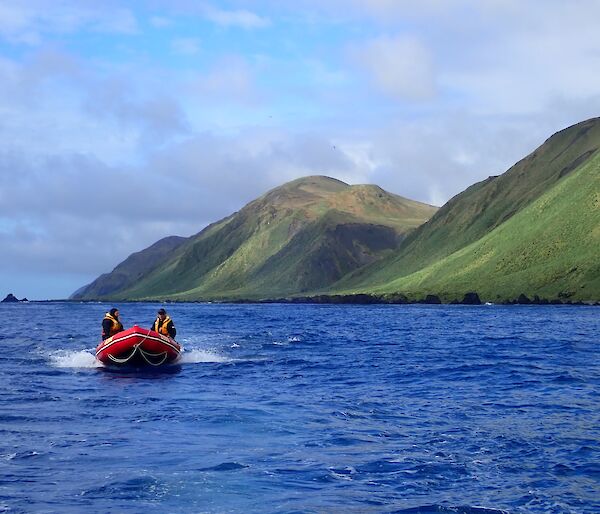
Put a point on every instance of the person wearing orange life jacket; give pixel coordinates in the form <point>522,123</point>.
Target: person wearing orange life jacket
<point>164,324</point>
<point>111,324</point>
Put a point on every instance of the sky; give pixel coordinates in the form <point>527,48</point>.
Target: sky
<point>125,122</point>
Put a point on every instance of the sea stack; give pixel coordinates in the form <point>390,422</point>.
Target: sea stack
<point>10,298</point>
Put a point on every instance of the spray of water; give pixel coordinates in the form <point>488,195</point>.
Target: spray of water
<point>195,356</point>
<point>70,359</point>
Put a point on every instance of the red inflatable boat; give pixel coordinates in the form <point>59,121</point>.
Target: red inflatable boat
<point>138,346</point>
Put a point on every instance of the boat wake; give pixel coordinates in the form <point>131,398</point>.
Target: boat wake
<point>71,359</point>
<point>197,356</point>
<point>86,358</point>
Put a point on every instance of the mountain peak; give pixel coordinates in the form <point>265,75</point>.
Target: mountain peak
<point>316,194</point>
<point>301,192</point>
<point>320,180</point>
<point>314,184</point>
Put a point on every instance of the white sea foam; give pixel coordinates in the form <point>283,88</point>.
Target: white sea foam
<point>70,359</point>
<point>195,356</point>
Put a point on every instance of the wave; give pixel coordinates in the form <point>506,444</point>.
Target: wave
<point>226,466</point>
<point>442,509</point>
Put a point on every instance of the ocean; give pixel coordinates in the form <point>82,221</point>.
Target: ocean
<point>305,408</point>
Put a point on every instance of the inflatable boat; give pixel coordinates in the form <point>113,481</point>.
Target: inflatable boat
<point>138,347</point>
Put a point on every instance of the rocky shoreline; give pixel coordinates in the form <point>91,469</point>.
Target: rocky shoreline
<point>471,298</point>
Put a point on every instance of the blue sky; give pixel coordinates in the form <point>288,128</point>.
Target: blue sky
<point>124,122</point>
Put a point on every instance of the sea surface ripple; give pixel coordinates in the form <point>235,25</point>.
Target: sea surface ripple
<point>300,408</point>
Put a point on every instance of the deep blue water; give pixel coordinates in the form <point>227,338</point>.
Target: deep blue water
<point>283,408</point>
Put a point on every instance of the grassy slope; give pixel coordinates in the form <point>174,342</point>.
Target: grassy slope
<point>287,241</point>
<point>551,248</point>
<point>322,252</point>
<point>482,207</point>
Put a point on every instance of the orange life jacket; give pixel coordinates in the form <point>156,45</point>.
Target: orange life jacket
<point>116,326</point>
<point>162,329</point>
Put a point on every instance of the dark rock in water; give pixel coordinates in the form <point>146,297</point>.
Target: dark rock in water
<point>10,298</point>
<point>471,299</point>
<point>523,300</point>
<point>432,299</point>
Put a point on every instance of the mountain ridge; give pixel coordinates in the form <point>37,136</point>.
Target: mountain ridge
<point>332,228</point>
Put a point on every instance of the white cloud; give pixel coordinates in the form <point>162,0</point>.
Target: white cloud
<point>401,66</point>
<point>160,21</point>
<point>120,20</point>
<point>16,24</point>
<point>185,46</point>
<point>231,78</point>
<point>238,18</point>
<point>28,22</point>
<point>53,102</point>
<point>542,60</point>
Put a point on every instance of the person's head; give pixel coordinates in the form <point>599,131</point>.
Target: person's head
<point>162,314</point>
<point>114,312</point>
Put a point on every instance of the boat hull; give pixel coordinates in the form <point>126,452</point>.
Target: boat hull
<point>138,347</point>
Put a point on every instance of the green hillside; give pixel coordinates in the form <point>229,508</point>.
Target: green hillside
<point>551,248</point>
<point>305,234</point>
<point>482,207</point>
